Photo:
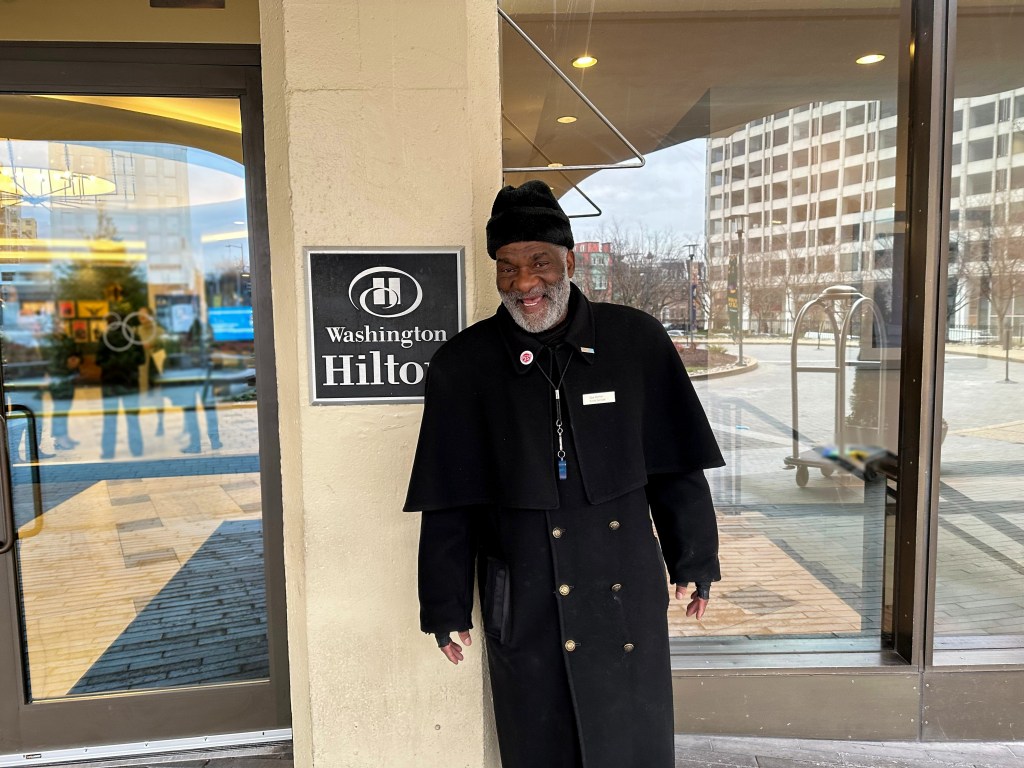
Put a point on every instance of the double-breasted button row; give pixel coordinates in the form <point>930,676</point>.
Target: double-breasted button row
<point>570,646</point>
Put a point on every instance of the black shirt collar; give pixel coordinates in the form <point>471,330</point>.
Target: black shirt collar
<point>579,333</point>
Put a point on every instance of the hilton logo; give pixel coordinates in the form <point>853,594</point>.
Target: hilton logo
<point>379,291</point>
<point>376,317</point>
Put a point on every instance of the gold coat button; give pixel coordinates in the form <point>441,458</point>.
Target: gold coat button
<point>628,647</point>
<point>616,587</point>
<point>557,533</point>
<point>570,645</point>
<point>564,590</point>
<point>614,525</point>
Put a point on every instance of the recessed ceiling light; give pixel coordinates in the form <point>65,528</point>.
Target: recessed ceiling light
<point>554,165</point>
<point>871,58</point>
<point>566,119</point>
<point>582,62</point>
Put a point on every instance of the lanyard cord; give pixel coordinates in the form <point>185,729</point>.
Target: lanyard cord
<point>554,363</point>
<point>563,469</point>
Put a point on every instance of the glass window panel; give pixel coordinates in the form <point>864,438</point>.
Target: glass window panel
<point>831,121</point>
<point>983,114</point>
<point>979,579</point>
<point>129,370</point>
<point>804,549</point>
<point>980,149</point>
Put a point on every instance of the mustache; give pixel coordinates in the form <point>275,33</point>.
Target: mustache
<point>533,293</point>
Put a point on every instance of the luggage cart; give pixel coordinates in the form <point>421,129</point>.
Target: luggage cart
<point>840,304</point>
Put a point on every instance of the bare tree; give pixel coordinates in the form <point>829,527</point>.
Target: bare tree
<point>961,290</point>
<point>647,268</point>
<point>1002,271</point>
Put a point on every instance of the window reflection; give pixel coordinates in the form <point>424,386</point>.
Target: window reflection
<point>129,376</point>
<point>126,290</point>
<point>979,597</point>
<point>766,217</point>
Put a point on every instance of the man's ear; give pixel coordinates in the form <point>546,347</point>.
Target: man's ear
<point>570,263</point>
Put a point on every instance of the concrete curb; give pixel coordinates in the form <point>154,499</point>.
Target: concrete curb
<point>720,373</point>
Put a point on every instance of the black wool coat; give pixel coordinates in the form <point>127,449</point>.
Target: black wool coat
<point>571,577</point>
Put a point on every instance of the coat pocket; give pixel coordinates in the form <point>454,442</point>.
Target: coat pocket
<point>496,600</point>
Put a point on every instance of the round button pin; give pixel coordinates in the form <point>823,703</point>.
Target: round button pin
<point>526,357</point>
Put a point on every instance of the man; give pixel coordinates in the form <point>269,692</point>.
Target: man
<point>552,433</point>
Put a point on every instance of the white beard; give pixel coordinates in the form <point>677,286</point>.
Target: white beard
<point>557,305</point>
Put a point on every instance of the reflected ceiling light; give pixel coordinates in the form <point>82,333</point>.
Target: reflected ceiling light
<point>57,249</point>
<point>21,185</point>
<point>566,119</point>
<point>55,173</point>
<point>218,237</point>
<point>583,62</point>
<point>554,165</point>
<point>871,58</point>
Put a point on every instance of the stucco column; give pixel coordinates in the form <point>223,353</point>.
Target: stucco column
<point>382,128</point>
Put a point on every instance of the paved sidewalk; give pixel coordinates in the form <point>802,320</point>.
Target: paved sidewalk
<point>691,752</point>
<point>737,751</point>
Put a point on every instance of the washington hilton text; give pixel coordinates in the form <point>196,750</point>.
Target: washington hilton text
<point>376,367</point>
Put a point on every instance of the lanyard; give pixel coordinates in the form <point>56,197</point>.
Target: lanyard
<point>563,468</point>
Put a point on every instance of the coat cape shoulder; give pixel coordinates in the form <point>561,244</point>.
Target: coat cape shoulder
<point>488,437</point>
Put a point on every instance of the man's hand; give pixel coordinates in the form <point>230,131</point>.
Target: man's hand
<point>697,605</point>
<point>453,651</point>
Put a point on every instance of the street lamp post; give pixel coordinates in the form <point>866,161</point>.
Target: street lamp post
<point>738,222</point>
<point>689,291</point>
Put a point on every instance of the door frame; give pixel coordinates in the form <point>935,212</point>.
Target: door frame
<point>897,693</point>
<point>182,70</point>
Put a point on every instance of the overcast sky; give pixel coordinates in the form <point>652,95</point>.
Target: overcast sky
<point>666,194</point>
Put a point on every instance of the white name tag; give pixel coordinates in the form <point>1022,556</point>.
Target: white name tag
<point>596,398</point>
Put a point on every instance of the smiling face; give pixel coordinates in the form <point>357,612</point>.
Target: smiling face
<point>533,281</point>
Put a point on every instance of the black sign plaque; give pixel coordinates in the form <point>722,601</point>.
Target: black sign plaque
<point>376,317</point>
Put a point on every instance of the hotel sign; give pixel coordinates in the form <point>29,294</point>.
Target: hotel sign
<point>376,317</point>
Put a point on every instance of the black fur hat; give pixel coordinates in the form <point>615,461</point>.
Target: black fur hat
<point>527,212</point>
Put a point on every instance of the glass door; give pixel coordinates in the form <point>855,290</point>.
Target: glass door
<point>131,464</point>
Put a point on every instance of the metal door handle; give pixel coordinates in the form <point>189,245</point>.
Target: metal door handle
<point>6,495</point>
<point>37,483</point>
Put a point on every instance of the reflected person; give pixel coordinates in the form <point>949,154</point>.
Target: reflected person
<point>198,342</point>
<point>119,356</point>
<point>62,376</point>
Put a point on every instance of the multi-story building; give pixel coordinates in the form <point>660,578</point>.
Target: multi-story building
<point>593,269</point>
<point>805,198</point>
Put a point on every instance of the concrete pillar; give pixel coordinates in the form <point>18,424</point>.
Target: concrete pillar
<point>382,128</point>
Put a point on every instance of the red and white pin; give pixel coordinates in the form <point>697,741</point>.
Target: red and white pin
<point>526,357</point>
